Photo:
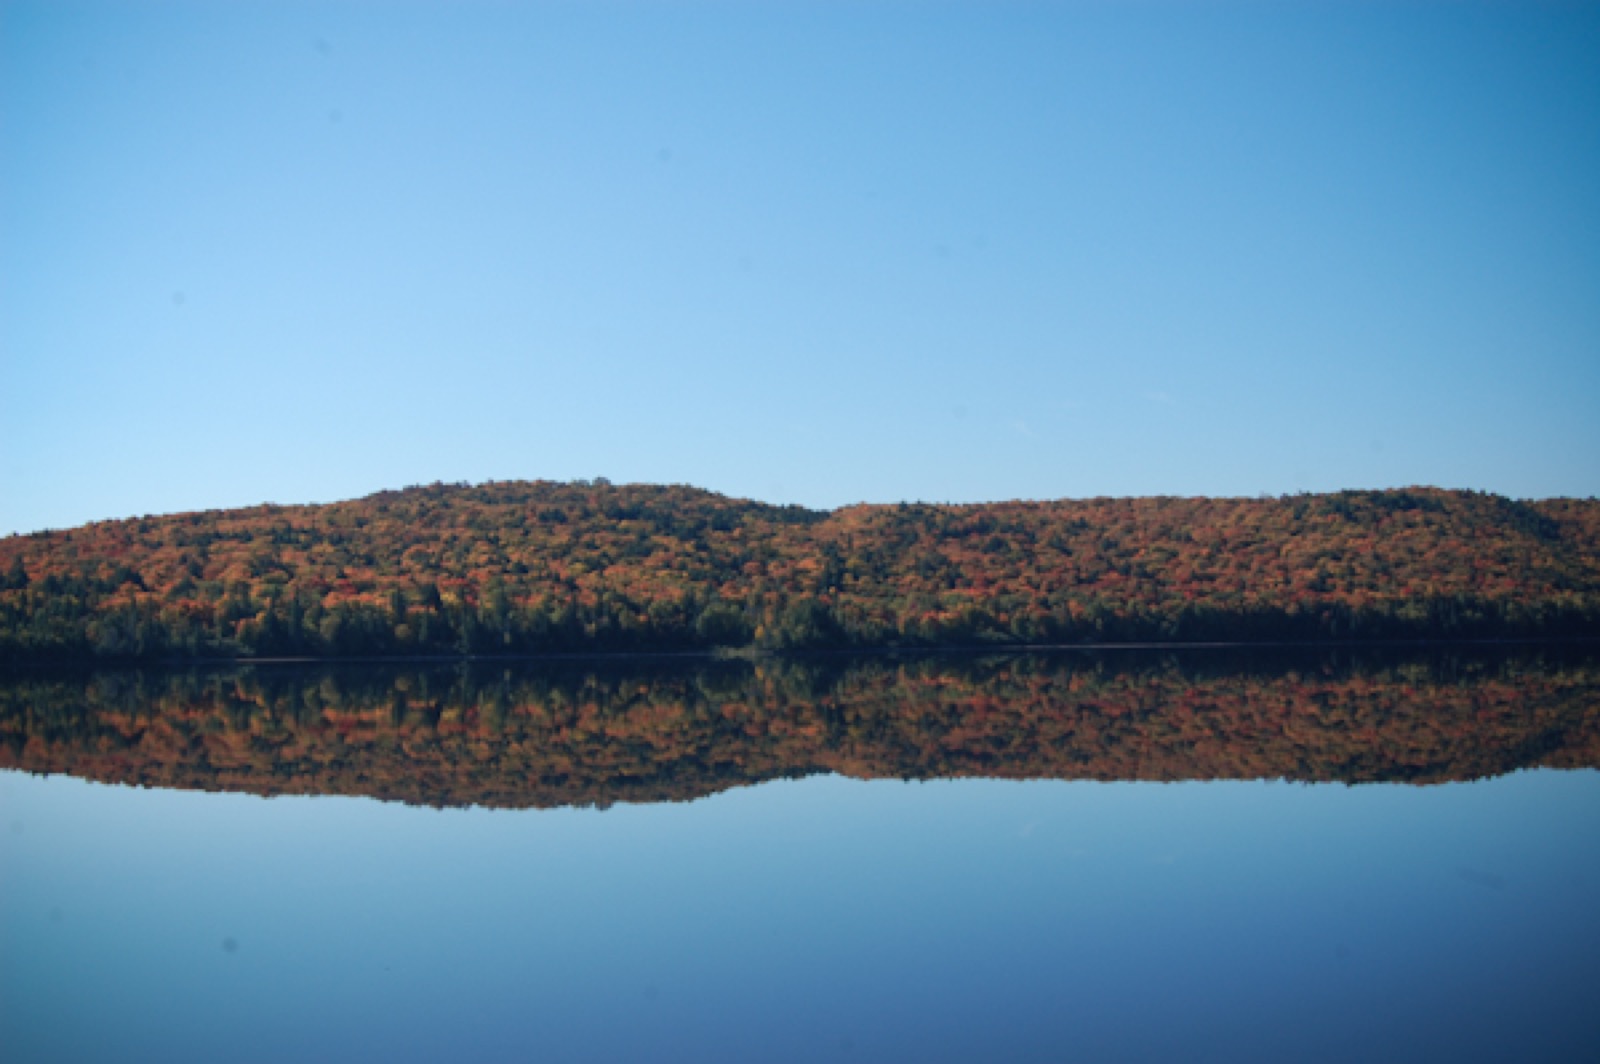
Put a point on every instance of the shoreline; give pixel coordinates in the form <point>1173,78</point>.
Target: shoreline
<point>752,655</point>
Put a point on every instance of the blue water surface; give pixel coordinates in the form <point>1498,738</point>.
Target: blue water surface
<point>816,919</point>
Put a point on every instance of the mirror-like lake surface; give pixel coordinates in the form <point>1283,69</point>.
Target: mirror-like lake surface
<point>1205,856</point>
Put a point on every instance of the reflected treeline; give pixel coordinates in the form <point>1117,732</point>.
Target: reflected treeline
<point>596,733</point>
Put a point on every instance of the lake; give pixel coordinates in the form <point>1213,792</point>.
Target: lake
<point>1209,855</point>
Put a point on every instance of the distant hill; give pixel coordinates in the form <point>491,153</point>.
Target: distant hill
<point>528,568</point>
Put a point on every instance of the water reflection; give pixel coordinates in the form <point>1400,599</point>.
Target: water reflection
<point>598,733</point>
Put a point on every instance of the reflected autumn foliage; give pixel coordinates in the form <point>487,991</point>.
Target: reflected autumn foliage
<point>595,733</point>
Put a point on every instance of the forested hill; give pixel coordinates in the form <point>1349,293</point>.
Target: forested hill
<point>514,568</point>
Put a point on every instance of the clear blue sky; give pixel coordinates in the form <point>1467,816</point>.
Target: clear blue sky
<point>817,253</point>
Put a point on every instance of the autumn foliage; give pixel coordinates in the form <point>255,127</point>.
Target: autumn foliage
<point>529,568</point>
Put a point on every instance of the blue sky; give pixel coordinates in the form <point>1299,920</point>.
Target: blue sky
<point>813,253</point>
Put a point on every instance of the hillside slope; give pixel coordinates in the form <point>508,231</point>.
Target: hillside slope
<point>541,567</point>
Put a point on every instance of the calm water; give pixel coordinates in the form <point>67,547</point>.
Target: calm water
<point>730,863</point>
